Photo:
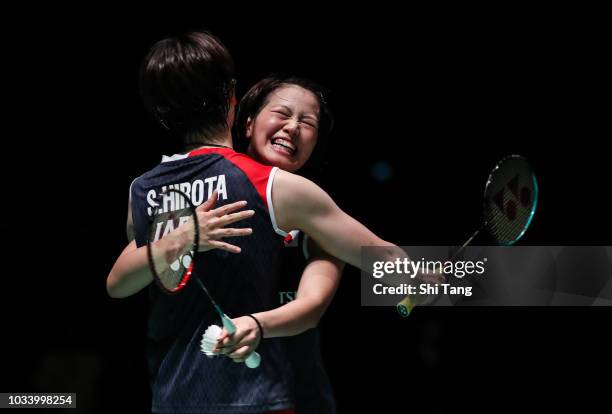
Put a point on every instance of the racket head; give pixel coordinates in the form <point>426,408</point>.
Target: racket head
<point>172,209</point>
<point>510,200</point>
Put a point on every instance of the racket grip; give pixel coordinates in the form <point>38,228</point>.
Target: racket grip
<point>253,360</point>
<point>405,307</point>
<point>228,324</point>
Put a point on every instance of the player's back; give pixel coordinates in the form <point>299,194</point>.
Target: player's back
<point>183,379</point>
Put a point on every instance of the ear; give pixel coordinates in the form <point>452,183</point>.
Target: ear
<point>231,112</point>
<point>249,127</point>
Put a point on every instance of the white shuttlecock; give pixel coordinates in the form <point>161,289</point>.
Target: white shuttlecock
<point>209,340</point>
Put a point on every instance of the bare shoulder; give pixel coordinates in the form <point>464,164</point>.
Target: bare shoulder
<point>295,198</point>
<point>297,191</point>
<point>285,178</point>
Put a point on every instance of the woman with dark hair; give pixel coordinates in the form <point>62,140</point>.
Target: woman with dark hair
<point>197,106</point>
<point>187,85</point>
<point>310,162</point>
<point>285,121</point>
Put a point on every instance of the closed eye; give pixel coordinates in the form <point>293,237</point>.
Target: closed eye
<point>310,120</point>
<point>283,113</point>
<point>310,123</point>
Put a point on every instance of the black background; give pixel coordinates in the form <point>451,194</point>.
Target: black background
<point>439,96</point>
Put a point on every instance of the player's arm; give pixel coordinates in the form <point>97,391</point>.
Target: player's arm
<point>318,284</point>
<point>129,226</point>
<point>301,204</point>
<point>131,272</point>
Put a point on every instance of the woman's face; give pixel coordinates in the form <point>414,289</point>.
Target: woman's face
<point>284,133</point>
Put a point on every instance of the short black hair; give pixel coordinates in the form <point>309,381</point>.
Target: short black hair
<point>186,83</point>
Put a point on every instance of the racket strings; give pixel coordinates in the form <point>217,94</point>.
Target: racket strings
<point>509,210</point>
<point>176,271</point>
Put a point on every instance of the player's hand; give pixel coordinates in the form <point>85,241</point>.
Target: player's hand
<point>212,224</point>
<point>432,278</point>
<point>241,343</point>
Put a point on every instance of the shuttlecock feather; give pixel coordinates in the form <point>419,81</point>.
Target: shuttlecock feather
<point>209,340</point>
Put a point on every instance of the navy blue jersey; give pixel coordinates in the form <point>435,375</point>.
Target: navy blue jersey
<point>312,391</point>
<point>183,379</point>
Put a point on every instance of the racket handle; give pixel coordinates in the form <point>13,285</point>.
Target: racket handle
<point>405,307</point>
<point>228,324</point>
<point>252,360</point>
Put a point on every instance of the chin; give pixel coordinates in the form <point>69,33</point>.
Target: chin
<point>278,160</point>
<point>285,165</point>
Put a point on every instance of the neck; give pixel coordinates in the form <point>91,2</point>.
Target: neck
<point>218,140</point>
<point>251,153</point>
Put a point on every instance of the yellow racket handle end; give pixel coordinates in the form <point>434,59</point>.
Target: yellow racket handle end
<point>405,307</point>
